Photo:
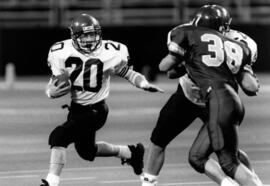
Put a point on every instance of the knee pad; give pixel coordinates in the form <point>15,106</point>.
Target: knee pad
<point>86,152</point>
<point>228,163</point>
<point>58,137</point>
<point>197,162</point>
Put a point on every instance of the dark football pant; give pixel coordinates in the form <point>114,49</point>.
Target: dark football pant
<point>225,114</point>
<point>175,116</point>
<point>80,129</point>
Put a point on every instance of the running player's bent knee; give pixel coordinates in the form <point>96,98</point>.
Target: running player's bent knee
<point>197,162</point>
<point>243,157</point>
<point>86,153</point>
<point>228,163</point>
<point>58,138</point>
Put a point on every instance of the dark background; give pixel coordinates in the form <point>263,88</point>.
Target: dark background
<point>28,48</point>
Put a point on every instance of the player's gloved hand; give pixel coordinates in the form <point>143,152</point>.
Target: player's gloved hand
<point>151,88</point>
<point>55,90</point>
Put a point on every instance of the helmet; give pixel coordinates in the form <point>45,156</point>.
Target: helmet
<point>226,17</point>
<point>86,33</point>
<point>213,16</point>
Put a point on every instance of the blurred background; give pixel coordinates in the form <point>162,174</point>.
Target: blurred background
<point>27,30</point>
<point>29,27</point>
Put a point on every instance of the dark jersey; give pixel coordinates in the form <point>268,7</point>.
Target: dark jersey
<point>210,56</point>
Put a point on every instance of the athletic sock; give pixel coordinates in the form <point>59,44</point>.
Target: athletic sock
<point>149,179</point>
<point>53,179</point>
<point>228,182</point>
<point>124,152</point>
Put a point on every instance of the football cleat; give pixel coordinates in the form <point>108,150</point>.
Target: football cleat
<point>136,160</point>
<point>44,183</point>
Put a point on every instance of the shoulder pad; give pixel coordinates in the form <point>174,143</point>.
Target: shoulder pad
<point>248,41</point>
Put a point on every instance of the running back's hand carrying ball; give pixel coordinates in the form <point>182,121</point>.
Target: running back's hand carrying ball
<point>62,80</point>
<point>59,85</point>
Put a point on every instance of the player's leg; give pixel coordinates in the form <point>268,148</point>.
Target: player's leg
<point>57,162</point>
<point>214,171</point>
<point>225,112</point>
<point>129,154</point>
<point>59,140</point>
<point>87,147</point>
<point>174,117</point>
<point>199,159</point>
<point>77,123</point>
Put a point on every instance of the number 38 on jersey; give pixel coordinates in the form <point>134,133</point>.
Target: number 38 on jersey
<point>220,52</point>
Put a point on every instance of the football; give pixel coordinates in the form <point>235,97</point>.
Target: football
<point>62,78</point>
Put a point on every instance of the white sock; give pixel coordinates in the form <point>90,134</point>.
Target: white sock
<point>53,179</point>
<point>124,152</point>
<point>149,179</point>
<point>259,182</point>
<point>228,182</point>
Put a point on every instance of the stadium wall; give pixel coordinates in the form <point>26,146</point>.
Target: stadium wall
<point>27,48</point>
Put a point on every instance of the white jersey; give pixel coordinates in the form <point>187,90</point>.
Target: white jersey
<point>186,83</point>
<point>240,36</point>
<point>89,73</point>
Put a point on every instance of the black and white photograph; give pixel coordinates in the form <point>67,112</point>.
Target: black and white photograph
<point>134,92</point>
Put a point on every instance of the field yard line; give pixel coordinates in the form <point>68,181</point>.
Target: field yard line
<point>111,167</point>
<point>50,111</point>
<point>38,151</point>
<point>189,183</point>
<point>77,178</point>
<point>165,184</point>
<point>119,181</point>
<point>19,176</point>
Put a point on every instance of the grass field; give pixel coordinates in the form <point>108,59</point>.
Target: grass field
<point>27,117</point>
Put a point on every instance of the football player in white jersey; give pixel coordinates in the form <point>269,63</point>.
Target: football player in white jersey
<point>187,99</point>
<point>85,62</point>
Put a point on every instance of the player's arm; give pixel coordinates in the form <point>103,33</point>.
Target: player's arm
<point>137,79</point>
<point>173,62</point>
<point>248,81</point>
<point>54,88</point>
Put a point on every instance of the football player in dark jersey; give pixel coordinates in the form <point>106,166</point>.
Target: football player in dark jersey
<point>185,100</point>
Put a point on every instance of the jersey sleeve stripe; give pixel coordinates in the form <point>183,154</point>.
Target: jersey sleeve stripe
<point>124,71</point>
<point>175,48</point>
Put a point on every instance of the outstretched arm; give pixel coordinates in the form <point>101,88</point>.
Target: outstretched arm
<point>138,80</point>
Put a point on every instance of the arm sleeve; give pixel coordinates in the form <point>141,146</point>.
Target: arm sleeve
<point>122,67</point>
<point>175,41</point>
<point>55,63</point>
<point>135,78</point>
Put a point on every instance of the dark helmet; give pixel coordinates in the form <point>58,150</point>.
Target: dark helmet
<point>86,33</point>
<point>213,16</point>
